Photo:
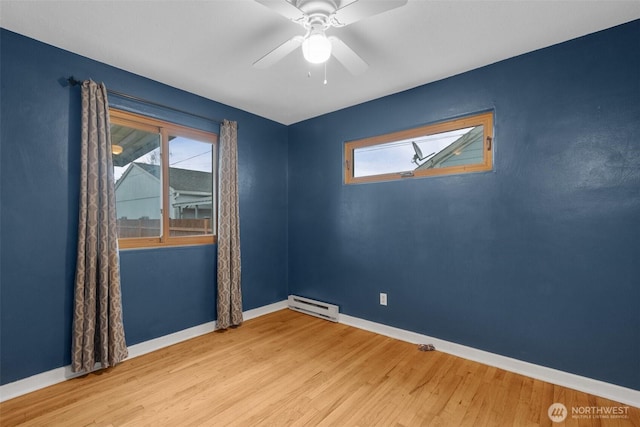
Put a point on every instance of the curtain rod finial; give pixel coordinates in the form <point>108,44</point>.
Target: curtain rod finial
<point>69,81</point>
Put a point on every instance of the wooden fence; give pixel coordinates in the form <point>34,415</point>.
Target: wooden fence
<point>128,228</point>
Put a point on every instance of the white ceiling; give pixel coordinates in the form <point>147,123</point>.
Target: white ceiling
<point>207,47</point>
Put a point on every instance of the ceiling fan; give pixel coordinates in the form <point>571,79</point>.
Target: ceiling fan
<point>316,16</point>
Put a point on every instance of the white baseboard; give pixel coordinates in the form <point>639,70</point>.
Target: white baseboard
<point>58,375</point>
<point>265,309</point>
<point>598,388</point>
<point>167,340</point>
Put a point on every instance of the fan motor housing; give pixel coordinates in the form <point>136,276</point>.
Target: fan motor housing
<point>317,7</point>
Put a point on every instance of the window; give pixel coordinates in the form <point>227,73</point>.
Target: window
<point>452,147</point>
<point>164,181</point>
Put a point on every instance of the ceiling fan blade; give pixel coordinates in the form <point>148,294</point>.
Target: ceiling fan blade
<point>278,53</point>
<point>361,9</point>
<point>347,57</point>
<point>284,8</point>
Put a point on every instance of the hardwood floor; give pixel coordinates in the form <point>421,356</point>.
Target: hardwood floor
<point>287,368</point>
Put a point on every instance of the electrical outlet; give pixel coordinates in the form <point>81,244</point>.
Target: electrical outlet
<point>383,298</point>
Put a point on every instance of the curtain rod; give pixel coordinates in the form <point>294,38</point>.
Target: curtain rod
<point>73,82</point>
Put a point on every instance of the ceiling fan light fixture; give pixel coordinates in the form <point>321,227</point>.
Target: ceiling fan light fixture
<point>316,47</point>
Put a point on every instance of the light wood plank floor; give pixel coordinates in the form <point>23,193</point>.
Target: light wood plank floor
<point>287,368</point>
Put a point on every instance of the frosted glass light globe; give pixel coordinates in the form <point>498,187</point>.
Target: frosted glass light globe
<point>316,48</point>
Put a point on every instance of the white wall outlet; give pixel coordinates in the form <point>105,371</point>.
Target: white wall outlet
<point>383,298</point>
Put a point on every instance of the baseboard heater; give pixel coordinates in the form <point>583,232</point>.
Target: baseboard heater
<point>314,308</point>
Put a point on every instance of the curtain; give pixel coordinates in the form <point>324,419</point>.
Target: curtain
<point>98,331</point>
<point>229,289</point>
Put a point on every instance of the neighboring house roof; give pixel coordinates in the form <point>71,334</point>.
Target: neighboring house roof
<point>180,180</point>
<point>453,149</point>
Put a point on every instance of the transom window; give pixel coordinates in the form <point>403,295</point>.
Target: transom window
<point>457,146</point>
<point>164,180</point>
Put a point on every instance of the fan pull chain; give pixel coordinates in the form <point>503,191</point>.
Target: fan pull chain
<point>325,72</point>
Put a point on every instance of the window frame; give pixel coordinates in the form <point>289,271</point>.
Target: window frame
<point>166,129</point>
<point>484,119</point>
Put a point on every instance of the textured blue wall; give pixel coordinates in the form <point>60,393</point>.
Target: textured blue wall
<point>537,260</point>
<point>164,290</point>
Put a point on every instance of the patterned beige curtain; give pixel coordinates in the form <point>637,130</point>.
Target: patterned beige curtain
<point>229,289</point>
<point>98,332</point>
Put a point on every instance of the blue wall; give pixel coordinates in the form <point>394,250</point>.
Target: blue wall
<point>164,290</point>
<point>538,260</point>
